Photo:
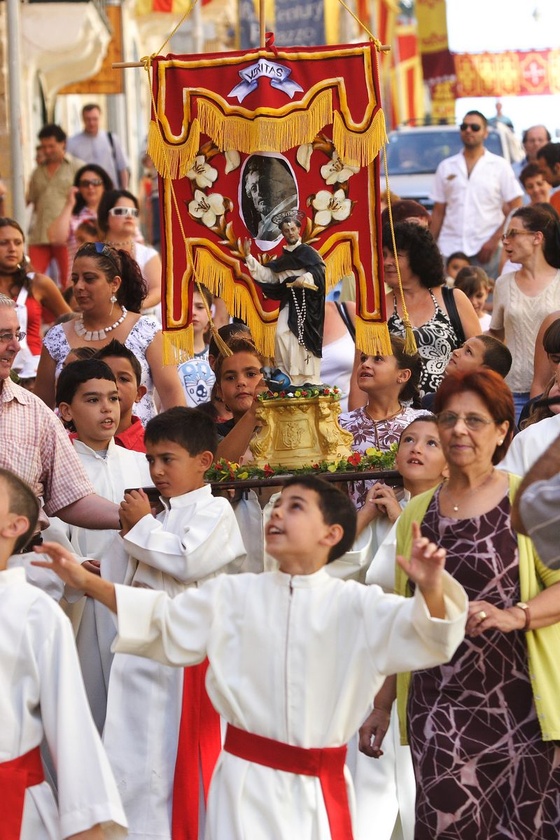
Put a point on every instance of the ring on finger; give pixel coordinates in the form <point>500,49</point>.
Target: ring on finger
<point>482,615</point>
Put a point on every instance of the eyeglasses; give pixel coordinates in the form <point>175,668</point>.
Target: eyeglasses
<point>474,422</point>
<point>511,234</point>
<point>6,337</point>
<point>473,127</point>
<point>124,211</point>
<point>93,182</point>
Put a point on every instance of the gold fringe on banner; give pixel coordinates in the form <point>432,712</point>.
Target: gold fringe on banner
<point>358,148</point>
<point>237,298</point>
<point>178,345</point>
<point>338,264</point>
<point>373,339</point>
<point>173,161</point>
<point>265,133</point>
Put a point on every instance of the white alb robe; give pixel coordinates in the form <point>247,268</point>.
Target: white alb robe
<point>296,659</point>
<point>194,538</point>
<point>111,474</point>
<point>43,696</point>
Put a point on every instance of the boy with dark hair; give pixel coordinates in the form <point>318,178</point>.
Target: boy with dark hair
<point>43,698</point>
<point>88,402</point>
<point>159,719</point>
<point>476,353</point>
<point>128,375</point>
<point>295,657</point>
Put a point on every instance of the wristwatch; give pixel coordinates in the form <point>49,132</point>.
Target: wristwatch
<point>525,607</point>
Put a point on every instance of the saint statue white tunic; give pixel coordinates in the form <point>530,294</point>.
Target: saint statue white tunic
<point>43,696</point>
<point>296,659</point>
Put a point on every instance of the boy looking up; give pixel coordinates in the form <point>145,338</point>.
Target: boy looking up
<point>295,657</point>
<point>88,402</point>
<point>128,374</point>
<point>43,697</point>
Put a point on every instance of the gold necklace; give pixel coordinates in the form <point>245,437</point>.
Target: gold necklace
<point>454,506</point>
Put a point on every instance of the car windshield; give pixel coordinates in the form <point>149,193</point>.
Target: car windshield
<point>420,152</point>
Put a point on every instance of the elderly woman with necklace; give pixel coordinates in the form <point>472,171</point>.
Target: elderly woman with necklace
<point>483,727</point>
<point>109,290</point>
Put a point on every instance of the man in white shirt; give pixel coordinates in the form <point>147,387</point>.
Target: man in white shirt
<point>473,192</point>
<point>93,145</point>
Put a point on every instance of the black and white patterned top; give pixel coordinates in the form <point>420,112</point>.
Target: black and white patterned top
<point>436,340</point>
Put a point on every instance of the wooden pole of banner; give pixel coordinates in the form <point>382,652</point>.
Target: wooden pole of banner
<point>262,26</point>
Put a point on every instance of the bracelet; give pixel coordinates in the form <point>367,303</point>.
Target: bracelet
<point>525,607</point>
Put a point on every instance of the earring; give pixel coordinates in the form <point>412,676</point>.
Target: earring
<point>500,442</point>
<point>113,298</point>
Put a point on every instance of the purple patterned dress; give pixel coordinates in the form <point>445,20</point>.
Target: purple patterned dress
<point>483,772</point>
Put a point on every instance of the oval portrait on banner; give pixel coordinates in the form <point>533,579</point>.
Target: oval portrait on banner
<point>267,188</point>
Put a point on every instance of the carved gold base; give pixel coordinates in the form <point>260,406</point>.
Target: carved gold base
<point>299,431</point>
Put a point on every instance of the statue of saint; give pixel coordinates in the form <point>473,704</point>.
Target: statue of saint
<point>297,280</point>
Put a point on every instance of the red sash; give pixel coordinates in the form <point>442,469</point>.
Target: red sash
<point>327,764</point>
<point>15,777</point>
<point>199,746</point>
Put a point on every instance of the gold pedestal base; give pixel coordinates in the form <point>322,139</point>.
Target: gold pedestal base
<point>299,431</point>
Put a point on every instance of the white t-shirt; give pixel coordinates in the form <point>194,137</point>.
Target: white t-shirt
<point>473,203</point>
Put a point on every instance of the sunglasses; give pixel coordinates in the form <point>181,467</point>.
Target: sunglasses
<point>94,182</point>
<point>124,211</point>
<point>511,234</point>
<point>473,127</point>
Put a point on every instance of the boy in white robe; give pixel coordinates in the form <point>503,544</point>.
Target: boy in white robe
<point>193,538</point>
<point>89,405</point>
<point>43,697</point>
<point>295,657</point>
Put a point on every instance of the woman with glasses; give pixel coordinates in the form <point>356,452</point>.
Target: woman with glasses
<point>483,727</point>
<point>32,293</point>
<point>109,291</point>
<point>117,218</point>
<point>523,298</point>
<point>90,182</point>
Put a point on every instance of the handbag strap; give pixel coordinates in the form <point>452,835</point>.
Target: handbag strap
<point>343,312</point>
<point>453,312</point>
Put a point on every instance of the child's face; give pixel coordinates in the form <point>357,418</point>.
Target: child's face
<point>469,356</point>
<point>200,318</point>
<point>379,373</point>
<point>296,532</point>
<point>173,470</point>
<point>478,300</point>
<point>127,387</point>
<point>94,411</point>
<point>420,456</point>
<point>455,266</point>
<point>240,377</point>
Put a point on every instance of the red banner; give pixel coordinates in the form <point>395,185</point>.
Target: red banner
<point>521,73</point>
<point>307,123</point>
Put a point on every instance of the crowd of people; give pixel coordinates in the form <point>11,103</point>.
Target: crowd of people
<point>388,668</point>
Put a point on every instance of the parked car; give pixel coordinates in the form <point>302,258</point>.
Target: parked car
<point>414,152</point>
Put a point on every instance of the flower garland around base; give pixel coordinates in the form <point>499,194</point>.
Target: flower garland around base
<point>373,459</point>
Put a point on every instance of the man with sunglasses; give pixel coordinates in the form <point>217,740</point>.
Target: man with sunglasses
<point>474,191</point>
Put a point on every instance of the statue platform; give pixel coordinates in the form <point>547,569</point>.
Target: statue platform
<point>300,428</point>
